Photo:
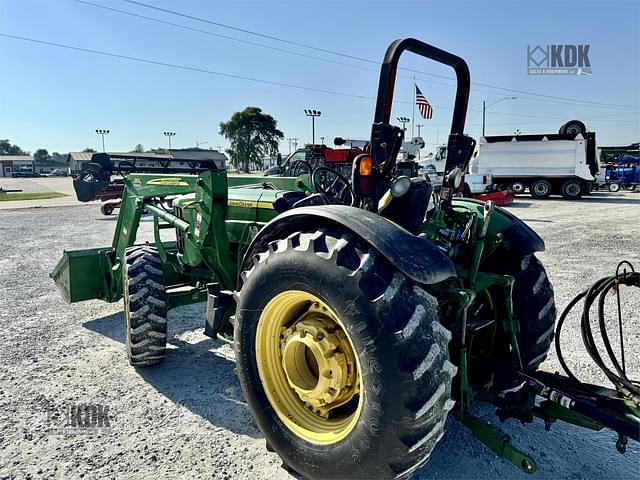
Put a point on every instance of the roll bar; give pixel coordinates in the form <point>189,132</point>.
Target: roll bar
<point>388,78</point>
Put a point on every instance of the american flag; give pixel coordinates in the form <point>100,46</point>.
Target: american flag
<point>425,108</point>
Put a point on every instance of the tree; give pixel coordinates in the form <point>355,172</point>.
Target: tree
<point>89,150</point>
<point>252,135</point>
<point>138,148</point>
<point>57,158</point>
<point>42,156</point>
<point>6,148</point>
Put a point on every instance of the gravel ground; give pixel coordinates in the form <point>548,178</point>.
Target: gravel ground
<point>186,418</point>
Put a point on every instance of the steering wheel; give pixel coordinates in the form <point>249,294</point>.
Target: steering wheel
<point>298,167</point>
<point>333,184</point>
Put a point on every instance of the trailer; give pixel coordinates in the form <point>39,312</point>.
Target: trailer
<point>545,164</point>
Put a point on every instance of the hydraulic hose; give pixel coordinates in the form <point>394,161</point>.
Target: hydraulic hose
<point>598,292</point>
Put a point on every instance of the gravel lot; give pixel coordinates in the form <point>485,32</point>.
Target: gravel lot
<point>186,418</point>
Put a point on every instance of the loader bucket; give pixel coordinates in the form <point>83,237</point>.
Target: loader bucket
<point>87,188</point>
<point>85,275</point>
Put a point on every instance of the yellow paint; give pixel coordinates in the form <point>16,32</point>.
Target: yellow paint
<point>170,182</point>
<point>249,204</point>
<point>308,368</point>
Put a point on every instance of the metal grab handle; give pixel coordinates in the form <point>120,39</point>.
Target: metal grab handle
<point>388,78</point>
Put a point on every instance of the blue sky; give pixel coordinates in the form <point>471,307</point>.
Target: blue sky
<point>55,98</point>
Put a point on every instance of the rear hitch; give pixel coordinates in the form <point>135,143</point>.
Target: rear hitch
<point>500,443</point>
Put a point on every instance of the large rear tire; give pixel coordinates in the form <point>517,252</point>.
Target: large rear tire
<point>145,308</point>
<point>386,419</point>
<point>533,305</point>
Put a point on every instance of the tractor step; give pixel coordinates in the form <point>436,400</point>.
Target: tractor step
<point>219,303</point>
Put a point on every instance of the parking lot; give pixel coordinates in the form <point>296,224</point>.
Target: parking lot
<point>186,418</point>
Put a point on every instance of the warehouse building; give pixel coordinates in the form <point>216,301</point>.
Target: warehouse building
<point>15,163</point>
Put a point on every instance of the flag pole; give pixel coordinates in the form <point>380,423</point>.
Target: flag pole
<point>413,115</point>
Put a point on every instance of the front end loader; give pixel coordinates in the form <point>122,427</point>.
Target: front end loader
<point>363,311</point>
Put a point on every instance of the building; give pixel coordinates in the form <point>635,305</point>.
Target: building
<point>76,161</point>
<point>15,163</point>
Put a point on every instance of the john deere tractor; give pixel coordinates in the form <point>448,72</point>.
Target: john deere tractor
<point>363,311</point>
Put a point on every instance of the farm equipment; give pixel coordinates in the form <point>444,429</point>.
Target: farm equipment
<point>102,178</point>
<point>305,160</point>
<point>363,311</point>
<point>623,172</point>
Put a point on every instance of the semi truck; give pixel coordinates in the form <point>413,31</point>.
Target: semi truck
<point>546,164</point>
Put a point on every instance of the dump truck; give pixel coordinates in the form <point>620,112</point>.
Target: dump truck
<point>364,311</point>
<point>545,164</point>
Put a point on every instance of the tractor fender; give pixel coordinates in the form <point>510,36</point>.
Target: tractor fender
<point>514,233</point>
<point>414,256</point>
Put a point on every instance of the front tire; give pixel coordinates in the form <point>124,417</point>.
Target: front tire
<point>398,349</point>
<point>518,187</point>
<point>614,187</point>
<point>145,308</point>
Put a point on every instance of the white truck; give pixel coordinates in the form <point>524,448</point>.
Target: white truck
<point>473,184</point>
<point>546,164</point>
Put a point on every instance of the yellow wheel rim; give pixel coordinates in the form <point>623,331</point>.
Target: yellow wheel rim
<point>308,368</point>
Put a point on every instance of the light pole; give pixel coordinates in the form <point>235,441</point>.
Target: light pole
<point>295,143</point>
<point>313,114</point>
<point>485,106</point>
<point>200,143</point>
<point>321,140</point>
<point>419,126</point>
<point>404,121</point>
<point>102,133</point>
<point>169,135</point>
<point>517,132</point>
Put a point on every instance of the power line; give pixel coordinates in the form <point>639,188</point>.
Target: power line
<point>226,37</point>
<point>241,77</point>
<point>183,67</point>
<point>367,60</point>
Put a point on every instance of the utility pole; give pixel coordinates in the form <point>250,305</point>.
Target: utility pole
<point>169,135</point>
<point>485,106</point>
<point>404,121</point>
<point>200,143</point>
<point>102,133</point>
<point>313,114</point>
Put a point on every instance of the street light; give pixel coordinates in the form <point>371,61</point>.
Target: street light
<point>485,106</point>
<point>313,114</point>
<point>169,135</point>
<point>102,133</point>
<point>404,121</point>
<point>321,140</point>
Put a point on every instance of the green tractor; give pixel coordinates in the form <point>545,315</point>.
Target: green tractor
<point>363,311</point>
